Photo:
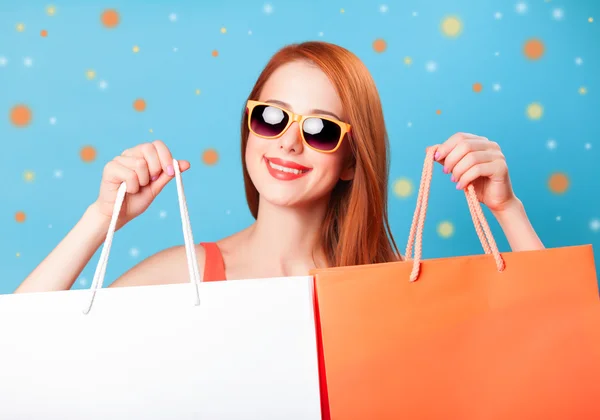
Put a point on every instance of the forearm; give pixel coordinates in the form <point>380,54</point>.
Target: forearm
<point>60,269</point>
<point>517,228</point>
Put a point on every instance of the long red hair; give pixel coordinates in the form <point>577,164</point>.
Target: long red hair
<point>356,229</point>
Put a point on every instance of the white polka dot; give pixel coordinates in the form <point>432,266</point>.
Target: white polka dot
<point>521,8</point>
<point>162,214</point>
<point>58,173</point>
<point>558,14</point>
<point>595,225</point>
<point>558,218</point>
<point>551,144</point>
<point>173,17</point>
<point>83,281</point>
<point>268,9</point>
<point>588,146</point>
<point>134,252</point>
<point>383,8</point>
<point>496,87</point>
<point>497,15</point>
<point>578,61</point>
<point>3,61</point>
<point>431,66</point>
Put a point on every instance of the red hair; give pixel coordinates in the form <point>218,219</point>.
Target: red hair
<point>356,229</point>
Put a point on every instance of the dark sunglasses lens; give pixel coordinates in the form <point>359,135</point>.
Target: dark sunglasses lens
<point>268,121</point>
<point>321,134</point>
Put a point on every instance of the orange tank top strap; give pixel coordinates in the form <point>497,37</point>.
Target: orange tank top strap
<point>214,266</point>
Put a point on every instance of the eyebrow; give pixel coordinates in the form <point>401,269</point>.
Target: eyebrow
<point>312,111</point>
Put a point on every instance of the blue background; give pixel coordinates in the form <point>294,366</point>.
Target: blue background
<point>176,40</point>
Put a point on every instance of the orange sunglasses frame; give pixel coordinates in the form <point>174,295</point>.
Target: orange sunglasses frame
<point>344,127</point>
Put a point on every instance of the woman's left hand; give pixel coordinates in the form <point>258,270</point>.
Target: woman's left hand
<point>472,159</point>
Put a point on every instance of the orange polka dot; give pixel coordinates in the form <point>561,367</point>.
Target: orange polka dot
<point>379,45</point>
<point>20,115</point>
<point>88,154</point>
<point>139,105</point>
<point>110,18</point>
<point>533,49</point>
<point>558,183</point>
<point>439,112</point>
<point>210,156</point>
<point>44,33</point>
<point>477,87</point>
<point>20,217</point>
<point>215,53</point>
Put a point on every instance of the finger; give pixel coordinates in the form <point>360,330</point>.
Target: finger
<point>150,153</point>
<point>461,150</point>
<point>452,141</point>
<point>166,159</point>
<point>115,173</point>
<point>486,169</point>
<point>137,164</point>
<point>469,160</point>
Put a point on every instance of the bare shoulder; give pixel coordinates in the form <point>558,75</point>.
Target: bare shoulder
<point>168,266</point>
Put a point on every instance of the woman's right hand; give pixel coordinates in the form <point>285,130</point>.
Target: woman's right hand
<point>146,169</point>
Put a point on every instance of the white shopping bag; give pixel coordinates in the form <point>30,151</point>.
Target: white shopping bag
<point>217,350</point>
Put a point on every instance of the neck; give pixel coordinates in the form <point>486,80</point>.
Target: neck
<point>289,236</point>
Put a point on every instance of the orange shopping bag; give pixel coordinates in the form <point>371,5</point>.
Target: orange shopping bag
<point>495,336</point>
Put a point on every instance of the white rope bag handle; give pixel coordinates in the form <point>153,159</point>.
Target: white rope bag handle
<point>190,250</point>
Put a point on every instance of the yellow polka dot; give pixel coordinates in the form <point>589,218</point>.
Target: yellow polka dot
<point>150,130</point>
<point>403,187</point>
<point>18,254</point>
<point>590,19</point>
<point>223,30</point>
<point>407,61</point>
<point>197,91</point>
<point>210,156</point>
<point>558,183</point>
<point>20,27</point>
<point>51,10</point>
<point>582,90</point>
<point>451,26</point>
<point>136,49</point>
<point>445,229</point>
<point>342,10</point>
<point>28,176</point>
<point>90,74</point>
<point>535,111</point>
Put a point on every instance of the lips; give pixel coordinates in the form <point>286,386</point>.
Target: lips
<point>287,164</point>
<point>285,170</point>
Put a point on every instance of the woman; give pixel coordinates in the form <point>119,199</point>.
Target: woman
<point>315,159</point>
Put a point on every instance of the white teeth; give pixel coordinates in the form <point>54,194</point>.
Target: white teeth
<point>284,169</point>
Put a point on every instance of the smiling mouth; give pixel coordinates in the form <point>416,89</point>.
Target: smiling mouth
<point>288,167</point>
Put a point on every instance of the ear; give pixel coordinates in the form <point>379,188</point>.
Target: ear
<point>348,173</point>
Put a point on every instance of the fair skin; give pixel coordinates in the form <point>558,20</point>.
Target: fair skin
<point>284,240</point>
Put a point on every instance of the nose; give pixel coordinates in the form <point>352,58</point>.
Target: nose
<point>291,140</point>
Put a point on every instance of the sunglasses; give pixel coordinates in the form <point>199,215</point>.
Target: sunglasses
<point>270,121</point>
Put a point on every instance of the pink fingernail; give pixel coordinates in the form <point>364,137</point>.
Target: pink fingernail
<point>170,170</point>
<point>452,178</point>
<point>155,177</point>
<point>446,170</point>
<point>437,155</point>
<point>458,187</point>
